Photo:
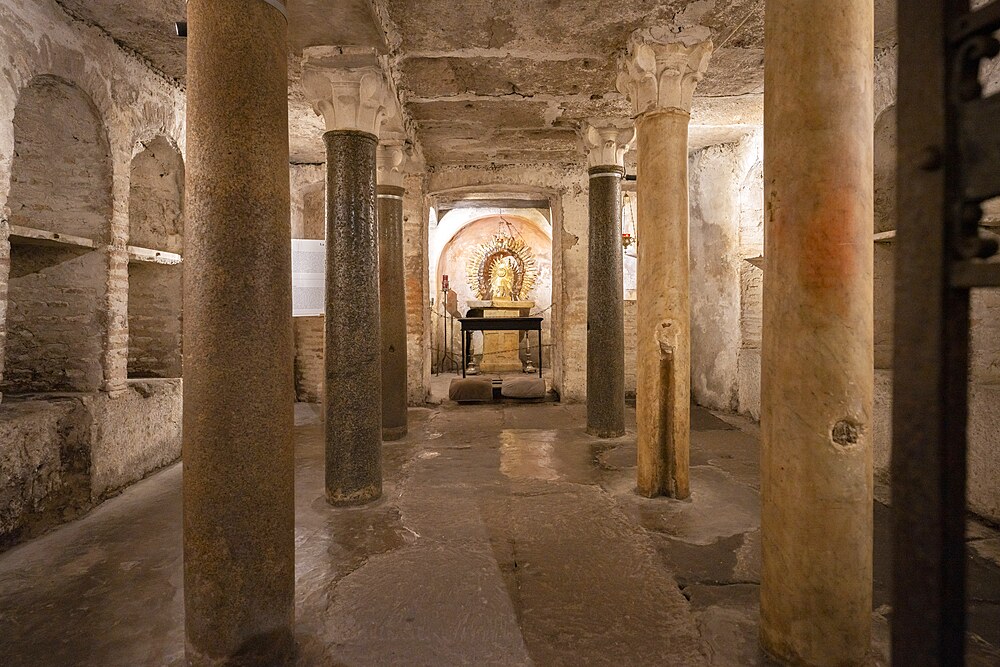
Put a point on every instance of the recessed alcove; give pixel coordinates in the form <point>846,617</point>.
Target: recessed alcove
<point>60,203</point>
<point>155,272</point>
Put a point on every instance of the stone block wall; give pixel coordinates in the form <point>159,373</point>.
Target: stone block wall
<point>74,110</point>
<point>134,434</point>
<point>44,466</point>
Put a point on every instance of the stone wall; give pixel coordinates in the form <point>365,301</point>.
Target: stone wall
<point>310,336</point>
<point>61,456</point>
<point>308,184</point>
<point>44,465</point>
<point>134,434</point>
<point>74,110</point>
<point>416,218</point>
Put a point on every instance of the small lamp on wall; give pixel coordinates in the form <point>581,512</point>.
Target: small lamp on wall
<point>629,237</point>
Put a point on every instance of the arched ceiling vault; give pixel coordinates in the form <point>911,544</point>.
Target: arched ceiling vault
<point>493,81</point>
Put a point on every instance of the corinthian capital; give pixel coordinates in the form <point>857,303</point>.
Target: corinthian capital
<point>607,141</point>
<point>660,70</point>
<point>390,160</point>
<point>349,97</point>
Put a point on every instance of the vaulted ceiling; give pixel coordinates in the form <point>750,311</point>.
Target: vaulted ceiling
<point>493,81</point>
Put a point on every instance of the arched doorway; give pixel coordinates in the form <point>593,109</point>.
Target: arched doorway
<point>454,244</point>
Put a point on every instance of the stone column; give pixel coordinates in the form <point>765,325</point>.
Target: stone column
<point>606,143</point>
<point>659,77</point>
<point>239,513</point>
<point>392,289</point>
<point>352,101</point>
<point>817,356</point>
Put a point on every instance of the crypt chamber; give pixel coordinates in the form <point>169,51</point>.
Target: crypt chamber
<point>509,332</point>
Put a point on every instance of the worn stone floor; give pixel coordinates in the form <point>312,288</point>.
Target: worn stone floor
<point>506,536</point>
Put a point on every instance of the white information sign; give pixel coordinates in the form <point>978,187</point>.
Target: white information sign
<point>308,277</point>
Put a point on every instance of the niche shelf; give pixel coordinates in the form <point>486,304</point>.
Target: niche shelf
<point>39,237</point>
<point>137,254</point>
<point>885,237</point>
<point>756,261</point>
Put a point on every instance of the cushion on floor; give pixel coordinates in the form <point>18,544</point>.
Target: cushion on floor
<point>526,387</point>
<point>467,390</point>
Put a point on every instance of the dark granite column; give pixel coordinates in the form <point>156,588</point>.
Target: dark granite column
<point>353,347</point>
<point>239,513</point>
<point>393,311</point>
<point>605,306</point>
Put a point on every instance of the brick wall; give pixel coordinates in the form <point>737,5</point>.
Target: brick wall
<point>154,320</point>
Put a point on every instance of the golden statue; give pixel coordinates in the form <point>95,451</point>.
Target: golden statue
<point>502,280</point>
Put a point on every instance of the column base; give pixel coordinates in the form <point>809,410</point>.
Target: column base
<point>271,649</point>
<point>360,497</point>
<point>394,433</point>
<point>605,433</point>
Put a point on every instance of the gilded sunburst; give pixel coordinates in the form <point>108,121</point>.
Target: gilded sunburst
<point>486,269</point>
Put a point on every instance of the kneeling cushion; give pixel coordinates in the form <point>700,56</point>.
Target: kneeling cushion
<point>468,390</point>
<point>526,387</point>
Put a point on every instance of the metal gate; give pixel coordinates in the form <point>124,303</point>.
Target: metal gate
<point>949,163</point>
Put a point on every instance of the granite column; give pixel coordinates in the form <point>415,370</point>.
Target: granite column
<point>392,297</point>
<point>659,77</point>
<point>606,144</point>
<point>239,514</point>
<point>817,348</point>
<point>352,101</point>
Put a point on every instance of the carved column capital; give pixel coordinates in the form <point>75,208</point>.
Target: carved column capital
<point>660,70</point>
<point>391,159</point>
<point>607,141</point>
<point>351,98</point>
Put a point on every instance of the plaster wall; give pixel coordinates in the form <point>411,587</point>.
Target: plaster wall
<point>726,192</point>
<point>715,175</point>
<point>58,457</point>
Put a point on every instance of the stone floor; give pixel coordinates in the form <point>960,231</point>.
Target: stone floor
<point>506,536</point>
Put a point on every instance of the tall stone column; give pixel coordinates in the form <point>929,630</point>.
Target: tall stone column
<point>817,356</point>
<point>606,143</point>
<point>239,513</point>
<point>392,297</point>
<point>352,101</point>
<point>659,78</point>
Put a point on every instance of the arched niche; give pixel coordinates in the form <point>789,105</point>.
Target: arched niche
<point>452,260</point>
<point>61,206</point>
<point>156,223</point>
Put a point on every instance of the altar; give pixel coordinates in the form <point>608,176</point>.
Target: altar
<point>501,273</point>
<point>488,325</point>
<point>501,348</point>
